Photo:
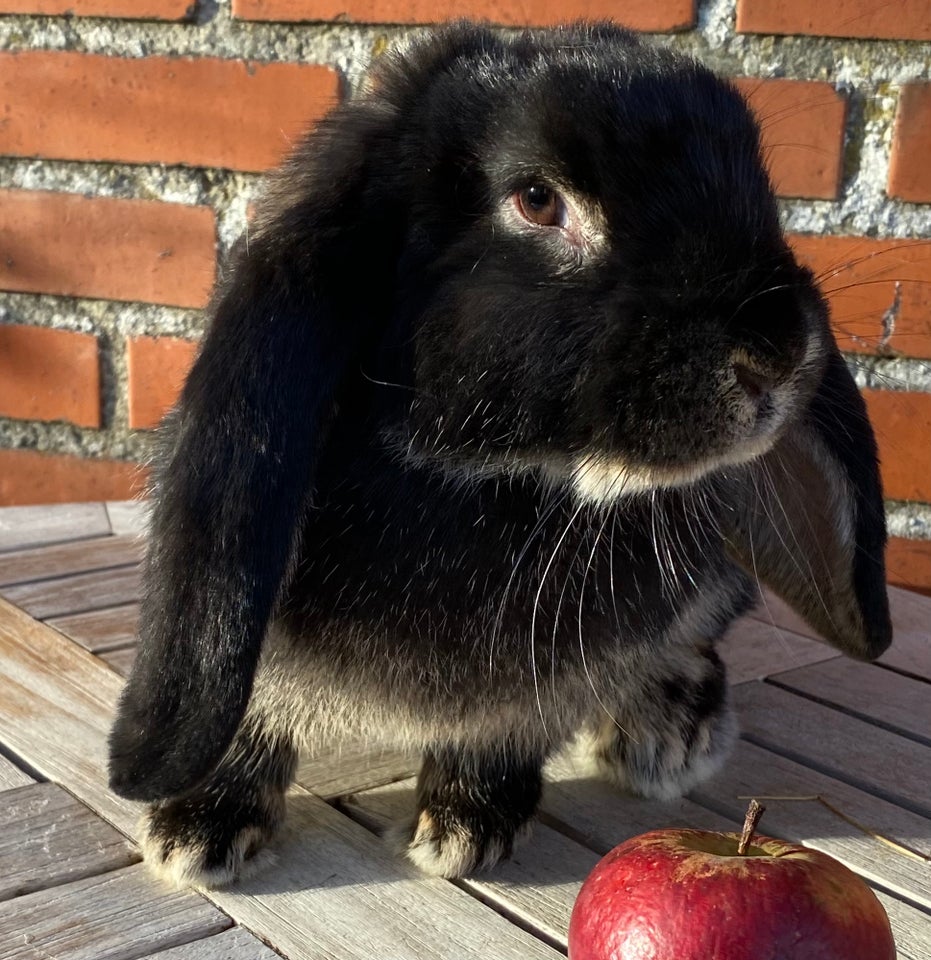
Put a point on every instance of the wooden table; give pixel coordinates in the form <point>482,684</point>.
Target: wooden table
<point>72,886</point>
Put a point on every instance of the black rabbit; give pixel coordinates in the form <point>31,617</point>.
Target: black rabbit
<point>512,395</point>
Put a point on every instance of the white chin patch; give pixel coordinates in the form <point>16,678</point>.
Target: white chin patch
<point>605,480</point>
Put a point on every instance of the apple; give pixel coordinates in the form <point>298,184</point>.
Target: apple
<point>691,895</point>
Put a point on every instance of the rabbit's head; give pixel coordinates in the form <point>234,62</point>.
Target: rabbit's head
<point>593,280</point>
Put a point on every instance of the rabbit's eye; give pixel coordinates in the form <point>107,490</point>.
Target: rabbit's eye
<point>541,205</point>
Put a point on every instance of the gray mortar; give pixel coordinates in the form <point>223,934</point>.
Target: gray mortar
<point>65,438</point>
<point>870,73</point>
<point>882,373</point>
<point>909,520</point>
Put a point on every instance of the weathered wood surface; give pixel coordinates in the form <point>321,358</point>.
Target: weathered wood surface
<point>348,768</point>
<point>100,630</point>
<point>839,745</point>
<point>12,776</point>
<point>61,596</point>
<point>911,619</point>
<point>754,772</point>
<point>600,816</point>
<point>22,527</point>
<point>119,915</point>
<point>62,560</point>
<point>753,649</point>
<point>911,928</point>
<point>337,890</point>
<point>541,882</point>
<point>538,884</point>
<point>128,517</point>
<point>57,706</point>
<point>885,697</point>
<point>48,838</point>
<point>232,944</point>
<point>121,661</point>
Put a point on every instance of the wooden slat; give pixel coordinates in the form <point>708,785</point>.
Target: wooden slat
<point>777,613</point>
<point>77,594</point>
<point>10,775</point>
<point>233,944</point>
<point>911,928</point>
<point>100,630</point>
<point>753,649</point>
<point>335,891</point>
<point>541,882</point>
<point>120,660</point>
<point>352,767</point>
<point>911,644</point>
<point>844,747</point>
<point>866,690</point>
<point>600,816</point>
<point>538,884</point>
<point>33,526</point>
<point>64,559</point>
<point>48,838</point>
<point>117,916</point>
<point>753,771</point>
<point>56,705</point>
<point>128,517</point>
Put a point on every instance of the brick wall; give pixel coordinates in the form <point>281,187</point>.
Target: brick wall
<point>133,134</point>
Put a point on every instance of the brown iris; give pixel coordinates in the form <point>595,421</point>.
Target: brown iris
<point>541,205</point>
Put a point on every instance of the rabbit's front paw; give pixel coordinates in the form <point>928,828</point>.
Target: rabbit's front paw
<point>201,841</point>
<point>444,846</point>
<point>472,807</point>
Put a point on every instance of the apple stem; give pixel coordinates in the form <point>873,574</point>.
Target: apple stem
<point>751,821</point>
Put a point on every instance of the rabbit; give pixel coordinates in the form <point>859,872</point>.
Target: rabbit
<point>511,397</point>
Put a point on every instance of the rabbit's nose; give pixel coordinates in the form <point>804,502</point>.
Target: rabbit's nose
<point>755,384</point>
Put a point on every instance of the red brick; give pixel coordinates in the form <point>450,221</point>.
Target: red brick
<point>67,244</point>
<point>203,112</point>
<point>880,19</point>
<point>803,133</point>
<point>908,564</point>
<point>135,9</point>
<point>902,422</point>
<point>28,477</point>
<point>639,14</point>
<point>158,367</point>
<point>910,163</point>
<point>49,375</point>
<point>859,275</point>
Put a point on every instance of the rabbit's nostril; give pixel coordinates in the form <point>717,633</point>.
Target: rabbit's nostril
<point>755,384</point>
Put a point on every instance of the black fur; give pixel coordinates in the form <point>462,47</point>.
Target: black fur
<point>380,487</point>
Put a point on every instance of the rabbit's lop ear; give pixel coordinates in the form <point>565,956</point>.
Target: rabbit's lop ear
<point>807,519</point>
<point>240,450</point>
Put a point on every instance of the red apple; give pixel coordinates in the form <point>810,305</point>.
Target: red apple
<point>689,895</point>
